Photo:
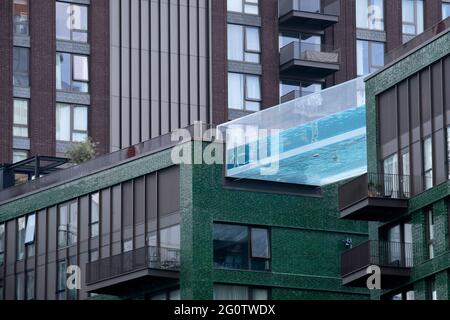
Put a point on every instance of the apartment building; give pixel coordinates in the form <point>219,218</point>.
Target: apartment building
<point>405,193</point>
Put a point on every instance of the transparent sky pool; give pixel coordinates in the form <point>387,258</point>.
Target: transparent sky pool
<point>314,140</point>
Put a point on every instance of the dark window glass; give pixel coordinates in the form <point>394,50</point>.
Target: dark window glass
<point>21,67</point>
<point>61,280</point>
<point>20,16</point>
<point>30,285</point>
<point>20,286</point>
<point>68,224</point>
<point>71,22</point>
<point>241,247</point>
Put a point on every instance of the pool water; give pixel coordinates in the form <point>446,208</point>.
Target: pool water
<point>317,153</point>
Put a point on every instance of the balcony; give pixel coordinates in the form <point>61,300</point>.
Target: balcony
<point>395,260</point>
<point>308,15</point>
<point>129,271</point>
<point>374,197</point>
<point>308,61</point>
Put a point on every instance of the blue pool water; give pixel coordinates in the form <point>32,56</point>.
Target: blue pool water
<point>318,153</point>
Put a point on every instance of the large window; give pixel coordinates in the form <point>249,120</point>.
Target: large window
<point>29,285</point>
<point>429,221</point>
<point>231,292</point>
<point>26,230</point>
<point>301,88</point>
<point>20,16</point>
<point>370,14</point>
<point>243,43</point>
<point>20,126</point>
<point>72,72</point>
<point>413,17</point>
<point>68,224</point>
<point>370,56</point>
<point>21,58</point>
<point>71,22</point>
<point>71,123</point>
<point>243,6</point>
<point>428,163</point>
<point>2,245</point>
<point>95,213</point>
<point>20,286</point>
<point>61,279</point>
<point>244,92</point>
<point>21,224</point>
<point>445,10</point>
<point>241,247</point>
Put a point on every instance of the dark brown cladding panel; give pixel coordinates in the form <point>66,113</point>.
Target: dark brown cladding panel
<point>393,23</point>
<point>433,12</point>
<point>270,54</point>
<point>219,61</point>
<point>5,82</point>
<point>42,77</point>
<point>99,62</point>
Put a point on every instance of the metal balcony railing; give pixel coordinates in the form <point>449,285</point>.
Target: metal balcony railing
<point>327,7</point>
<point>136,260</point>
<point>374,185</point>
<point>311,52</point>
<point>379,253</point>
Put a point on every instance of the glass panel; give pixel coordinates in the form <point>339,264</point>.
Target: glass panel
<point>235,91</point>
<point>170,237</point>
<point>234,5</point>
<point>253,88</point>
<point>95,210</point>
<point>430,222</point>
<point>394,238</point>
<point>30,285</point>
<point>20,118</point>
<point>362,57</point>
<point>21,238</point>
<point>19,156</point>
<point>63,122</point>
<point>377,56</point>
<point>20,286</point>
<point>71,22</point>
<point>62,20</point>
<point>128,246</point>
<point>63,227</point>
<point>235,42</point>
<point>73,223</point>
<point>260,243</point>
<point>61,279</point>
<point>80,118</point>
<point>260,294</point>
<point>174,295</point>
<point>231,246</point>
<point>445,10</point>
<point>252,37</point>
<point>31,229</point>
<point>391,179</point>
<point>410,295</point>
<point>21,67</point>
<point>228,292</point>
<point>80,68</point>
<point>2,238</point>
<point>63,71</point>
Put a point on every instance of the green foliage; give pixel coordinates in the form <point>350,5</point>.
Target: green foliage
<point>82,151</point>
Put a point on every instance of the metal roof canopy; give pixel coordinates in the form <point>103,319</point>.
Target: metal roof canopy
<point>37,165</point>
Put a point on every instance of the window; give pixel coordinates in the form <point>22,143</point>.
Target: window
<point>391,178</point>
<point>243,6</point>
<point>231,292</point>
<point>19,155</point>
<point>241,247</point>
<point>2,245</point>
<point>21,224</point>
<point>21,67</point>
<point>243,43</point>
<point>244,92</point>
<point>95,213</point>
<point>71,122</point>
<point>20,16</point>
<point>406,171</point>
<point>445,10</point>
<point>93,255</point>
<point>370,56</point>
<point>448,151</point>
<point>431,288</point>
<point>72,72</point>
<point>429,217</point>
<point>128,245</point>
<point>404,295</point>
<point>30,232</point>
<point>370,14</point>
<point>165,295</point>
<point>61,280</point>
<point>413,17</point>
<point>68,224</point>
<point>20,286</point>
<point>71,22</point>
<point>29,277</point>
<point>170,237</point>
<point>300,88</point>
<point>428,163</point>
<point>20,126</point>
<point>308,42</point>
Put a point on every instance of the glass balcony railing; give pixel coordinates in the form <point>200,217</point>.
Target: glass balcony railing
<point>326,7</point>
<point>312,52</point>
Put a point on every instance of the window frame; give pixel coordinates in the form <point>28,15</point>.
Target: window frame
<point>416,20</point>
<point>72,129</point>
<point>244,3</point>
<point>24,23</point>
<point>2,245</point>
<point>20,125</point>
<point>430,226</point>
<point>370,65</point>
<point>73,79</point>
<point>67,243</point>
<point>250,290</point>
<point>370,3</point>
<point>245,49</point>
<point>246,98</point>
<point>94,225</point>
<point>428,173</point>
<point>72,31</point>
<point>17,50</point>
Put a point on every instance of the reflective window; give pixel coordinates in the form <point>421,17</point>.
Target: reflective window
<point>370,56</point>
<point>244,92</point>
<point>413,17</point>
<point>72,72</point>
<point>71,22</point>
<point>71,123</point>
<point>170,237</point>
<point>428,163</point>
<point>30,234</point>
<point>19,155</point>
<point>231,292</point>
<point>29,285</point>
<point>2,244</point>
<point>429,216</point>
<point>20,126</point>
<point>20,17</point>
<point>95,213</point>
<point>243,6</point>
<point>448,151</point>
<point>298,88</point>
<point>20,286</point>
<point>308,42</point>
<point>445,10</point>
<point>241,247</point>
<point>61,279</point>
<point>21,67</point>
<point>370,14</point>
<point>68,224</point>
<point>21,224</point>
<point>243,43</point>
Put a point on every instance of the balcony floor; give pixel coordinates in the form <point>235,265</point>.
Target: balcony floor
<point>391,277</point>
<point>307,70</point>
<point>375,209</point>
<point>307,21</point>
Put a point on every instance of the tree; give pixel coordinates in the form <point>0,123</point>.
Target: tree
<point>81,152</point>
